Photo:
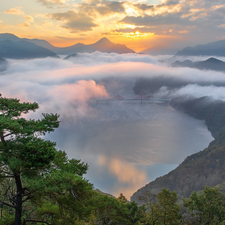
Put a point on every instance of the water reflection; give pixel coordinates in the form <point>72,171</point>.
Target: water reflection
<point>129,145</point>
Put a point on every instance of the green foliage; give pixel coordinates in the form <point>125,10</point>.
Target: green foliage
<point>44,185</point>
<point>207,207</point>
<point>161,208</point>
<point>134,213</point>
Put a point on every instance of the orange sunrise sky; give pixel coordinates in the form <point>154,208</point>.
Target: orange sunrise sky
<point>140,24</point>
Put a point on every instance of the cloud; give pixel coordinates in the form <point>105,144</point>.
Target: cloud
<point>74,97</point>
<point>197,18</point>
<point>29,18</point>
<point>114,138</point>
<point>24,25</point>
<point>74,21</point>
<point>100,58</point>
<point>157,20</point>
<point>1,24</point>
<point>15,11</point>
<point>71,39</point>
<point>51,3</point>
<point>194,90</point>
<point>103,7</point>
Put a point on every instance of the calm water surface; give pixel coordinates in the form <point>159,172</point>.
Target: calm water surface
<point>127,145</point>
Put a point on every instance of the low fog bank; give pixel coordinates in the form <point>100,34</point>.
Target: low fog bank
<point>117,139</point>
<point>101,57</point>
<point>173,59</point>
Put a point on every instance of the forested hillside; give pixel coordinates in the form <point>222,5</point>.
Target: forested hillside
<point>206,167</point>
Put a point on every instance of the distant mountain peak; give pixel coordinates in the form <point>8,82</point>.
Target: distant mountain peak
<point>8,34</point>
<point>212,59</point>
<point>104,40</point>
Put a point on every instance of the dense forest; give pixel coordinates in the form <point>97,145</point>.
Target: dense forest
<point>41,185</point>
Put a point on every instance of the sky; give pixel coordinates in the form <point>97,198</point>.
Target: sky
<point>140,24</point>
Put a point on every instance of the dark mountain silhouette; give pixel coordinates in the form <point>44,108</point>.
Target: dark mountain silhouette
<point>10,37</point>
<point>209,64</point>
<point>103,45</point>
<point>3,64</point>
<point>57,50</point>
<point>206,167</point>
<point>211,49</point>
<point>186,63</point>
<point>23,50</point>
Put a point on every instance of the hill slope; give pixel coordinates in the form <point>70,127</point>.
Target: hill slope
<point>203,168</point>
<point>211,49</point>
<point>23,50</point>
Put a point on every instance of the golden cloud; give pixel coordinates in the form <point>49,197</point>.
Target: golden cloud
<point>15,11</point>
<point>29,18</point>
<point>24,25</point>
<point>52,3</point>
<point>74,21</point>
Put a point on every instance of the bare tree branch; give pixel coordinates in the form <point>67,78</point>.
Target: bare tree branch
<point>7,204</point>
<point>35,221</point>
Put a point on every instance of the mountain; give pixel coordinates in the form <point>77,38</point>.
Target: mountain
<point>57,50</point>
<point>103,45</point>
<point>186,63</point>
<point>23,50</point>
<point>209,64</point>
<point>10,37</point>
<point>151,85</point>
<point>211,49</point>
<point>156,50</point>
<point>206,167</point>
<point>3,64</point>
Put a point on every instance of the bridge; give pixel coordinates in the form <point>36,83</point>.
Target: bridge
<point>141,98</point>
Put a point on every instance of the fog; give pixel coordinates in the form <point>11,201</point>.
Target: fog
<point>114,138</point>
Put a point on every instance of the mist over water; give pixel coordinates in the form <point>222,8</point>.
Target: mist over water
<point>130,144</point>
<point>126,144</point>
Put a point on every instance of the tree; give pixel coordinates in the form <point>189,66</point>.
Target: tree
<point>131,212</point>
<point>161,209</point>
<point>168,208</point>
<point>150,202</point>
<point>207,207</point>
<point>38,173</point>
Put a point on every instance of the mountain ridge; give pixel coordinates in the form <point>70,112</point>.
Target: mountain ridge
<point>209,64</point>
<point>216,48</point>
<point>23,50</point>
<point>102,45</point>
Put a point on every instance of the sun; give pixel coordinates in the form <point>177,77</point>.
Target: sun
<point>137,32</point>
